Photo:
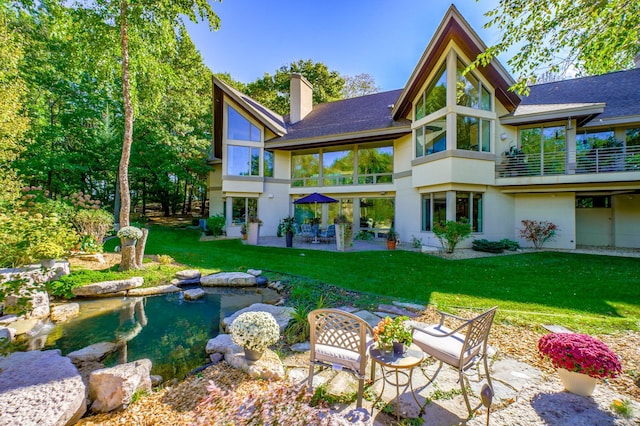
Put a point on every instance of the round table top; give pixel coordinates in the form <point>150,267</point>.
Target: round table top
<point>412,357</point>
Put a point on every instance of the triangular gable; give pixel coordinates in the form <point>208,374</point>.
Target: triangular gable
<point>271,120</point>
<point>454,27</point>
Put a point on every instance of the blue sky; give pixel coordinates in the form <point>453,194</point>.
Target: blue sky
<point>381,38</point>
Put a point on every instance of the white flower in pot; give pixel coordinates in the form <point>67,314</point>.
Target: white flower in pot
<point>255,331</point>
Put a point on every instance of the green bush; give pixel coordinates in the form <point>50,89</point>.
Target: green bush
<point>93,222</point>
<point>451,233</point>
<point>488,246</point>
<point>215,224</point>
<point>510,244</point>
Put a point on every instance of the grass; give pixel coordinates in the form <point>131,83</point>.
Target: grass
<point>585,293</point>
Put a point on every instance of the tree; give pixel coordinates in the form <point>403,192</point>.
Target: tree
<point>13,124</point>
<point>595,37</point>
<point>273,91</point>
<point>359,85</point>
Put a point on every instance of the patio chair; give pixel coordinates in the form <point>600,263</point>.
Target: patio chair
<point>461,347</point>
<point>341,341</point>
<point>328,234</point>
<point>306,232</point>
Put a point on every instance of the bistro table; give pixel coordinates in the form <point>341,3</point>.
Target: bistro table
<point>396,368</point>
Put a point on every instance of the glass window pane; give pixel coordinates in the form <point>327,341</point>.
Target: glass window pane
<point>237,160</point>
<point>586,141</point>
<point>485,100</point>
<point>439,207</point>
<point>467,129</point>
<point>239,128</point>
<point>435,97</point>
<point>305,169</point>
<point>252,206</point>
<point>375,165</point>
<point>476,223</point>
<point>255,134</point>
<point>466,88</point>
<point>426,212</point>
<point>419,142</point>
<point>255,161</point>
<point>633,137</point>
<point>462,206</point>
<point>436,136</point>
<point>486,135</point>
<point>553,145</point>
<point>337,167</point>
<point>238,212</point>
<point>268,164</point>
<point>377,213</point>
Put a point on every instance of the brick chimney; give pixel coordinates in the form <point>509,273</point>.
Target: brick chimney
<point>300,97</point>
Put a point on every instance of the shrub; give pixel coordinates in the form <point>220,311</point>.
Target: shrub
<point>94,222</point>
<point>510,244</point>
<point>164,259</point>
<point>364,235</point>
<point>487,246</point>
<point>538,232</point>
<point>451,233</point>
<point>416,242</point>
<point>215,224</point>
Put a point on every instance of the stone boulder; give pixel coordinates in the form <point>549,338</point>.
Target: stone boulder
<point>42,388</point>
<point>255,272</point>
<point>7,333</point>
<point>150,291</point>
<point>188,274</point>
<point>228,279</point>
<point>61,313</point>
<point>268,367</point>
<point>194,294</point>
<point>282,314</point>
<point>31,294</point>
<point>192,281</point>
<point>92,353</point>
<point>112,388</point>
<point>106,287</point>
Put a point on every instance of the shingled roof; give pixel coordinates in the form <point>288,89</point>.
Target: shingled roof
<point>618,90</point>
<point>346,117</point>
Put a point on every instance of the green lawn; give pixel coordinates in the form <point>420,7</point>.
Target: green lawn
<point>586,293</point>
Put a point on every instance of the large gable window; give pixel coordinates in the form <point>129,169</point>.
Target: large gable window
<point>431,138</point>
<point>434,98</point>
<point>239,128</point>
<point>470,92</point>
<point>243,161</point>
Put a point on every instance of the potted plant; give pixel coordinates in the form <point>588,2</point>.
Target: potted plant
<point>255,332</point>
<point>47,252</point>
<point>392,335</point>
<point>344,233</point>
<point>129,235</point>
<point>254,230</point>
<point>580,360</point>
<point>243,231</point>
<point>392,239</point>
<point>288,226</point>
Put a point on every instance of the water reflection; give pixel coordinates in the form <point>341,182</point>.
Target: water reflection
<point>167,329</point>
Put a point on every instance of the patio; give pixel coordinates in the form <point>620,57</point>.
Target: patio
<point>302,243</point>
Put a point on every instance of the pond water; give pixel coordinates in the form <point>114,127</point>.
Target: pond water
<point>167,329</point>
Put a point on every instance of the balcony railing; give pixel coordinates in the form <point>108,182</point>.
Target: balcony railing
<point>347,179</point>
<point>597,160</point>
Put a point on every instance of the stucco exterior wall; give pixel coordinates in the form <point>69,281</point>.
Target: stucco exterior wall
<point>594,226</point>
<point>626,220</point>
<point>557,208</point>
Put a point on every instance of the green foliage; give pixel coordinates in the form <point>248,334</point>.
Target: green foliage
<point>359,85</point>
<point>272,91</point>
<point>364,235</point>
<point>488,246</point>
<point>164,259</point>
<point>538,232</point>
<point>594,37</point>
<point>392,235</point>
<point>322,397</point>
<point>510,244</point>
<point>297,330</point>
<point>416,242</point>
<point>216,224</point>
<point>94,223</point>
<point>451,233</point>
<point>623,408</point>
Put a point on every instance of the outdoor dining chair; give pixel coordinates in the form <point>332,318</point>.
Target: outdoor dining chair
<point>328,234</point>
<point>341,341</point>
<point>462,346</point>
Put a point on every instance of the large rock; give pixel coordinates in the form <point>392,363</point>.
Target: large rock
<point>106,287</point>
<point>92,353</point>
<point>282,314</point>
<point>60,313</point>
<point>188,274</point>
<point>150,291</point>
<point>194,294</point>
<point>222,343</point>
<point>31,294</point>
<point>268,367</point>
<point>7,333</point>
<point>40,388</point>
<point>112,388</point>
<point>228,279</point>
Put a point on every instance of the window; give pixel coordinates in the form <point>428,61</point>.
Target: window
<point>375,165</point>
<point>243,161</point>
<point>469,205</point>
<point>434,98</point>
<point>377,213</point>
<point>633,137</point>
<point>470,92</point>
<point>239,128</point>
<point>242,208</point>
<point>544,150</point>
<point>337,167</point>
<point>600,201</point>
<point>431,138</point>
<point>268,163</point>
<point>587,140</point>
<point>473,134</point>
<point>305,169</point>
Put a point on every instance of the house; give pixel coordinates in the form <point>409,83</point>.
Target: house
<point>446,146</point>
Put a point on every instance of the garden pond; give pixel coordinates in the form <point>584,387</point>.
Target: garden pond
<point>169,330</point>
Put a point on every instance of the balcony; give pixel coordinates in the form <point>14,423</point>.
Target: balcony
<point>593,161</point>
<point>344,179</point>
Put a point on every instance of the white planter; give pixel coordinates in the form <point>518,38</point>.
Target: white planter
<point>342,244</point>
<point>253,232</point>
<point>578,383</point>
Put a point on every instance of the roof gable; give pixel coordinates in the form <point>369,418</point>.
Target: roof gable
<point>454,27</point>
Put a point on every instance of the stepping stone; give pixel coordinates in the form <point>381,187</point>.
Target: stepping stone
<point>92,353</point>
<point>230,279</point>
<point>254,272</point>
<point>301,347</point>
<point>385,314</point>
<point>106,287</point>
<point>150,291</point>
<point>370,318</point>
<point>397,310</point>
<point>188,274</point>
<point>194,294</point>
<point>192,281</point>
<point>349,309</point>
<point>556,328</point>
<point>411,306</point>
